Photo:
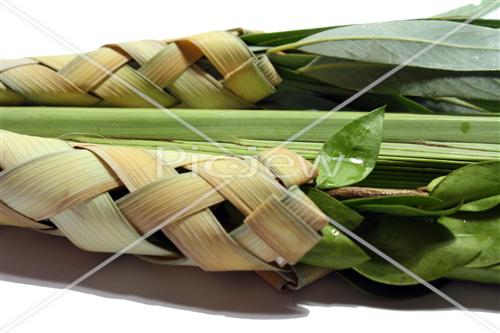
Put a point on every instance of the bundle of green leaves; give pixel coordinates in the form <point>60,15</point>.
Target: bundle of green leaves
<point>447,64</point>
<point>451,230</point>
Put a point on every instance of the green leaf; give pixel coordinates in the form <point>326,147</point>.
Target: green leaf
<point>365,102</point>
<point>401,103</point>
<point>291,61</point>
<point>489,23</point>
<point>279,38</point>
<point>481,204</point>
<point>469,183</point>
<point>335,250</point>
<point>404,210</point>
<point>452,105</point>
<point>351,153</point>
<point>335,209</point>
<point>408,81</point>
<point>432,185</point>
<point>483,229</point>
<point>468,48</point>
<point>484,275</point>
<point>408,200</point>
<point>373,288</point>
<point>491,106</point>
<point>427,249</point>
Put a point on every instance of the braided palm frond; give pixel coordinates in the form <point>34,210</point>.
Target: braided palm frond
<point>104,198</point>
<point>211,70</point>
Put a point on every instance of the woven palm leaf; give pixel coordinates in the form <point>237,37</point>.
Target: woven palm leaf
<point>104,198</point>
<point>210,70</point>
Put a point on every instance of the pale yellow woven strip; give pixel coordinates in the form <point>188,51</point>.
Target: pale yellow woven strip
<point>74,186</point>
<point>290,236</point>
<point>129,74</point>
<point>99,226</point>
<point>41,85</point>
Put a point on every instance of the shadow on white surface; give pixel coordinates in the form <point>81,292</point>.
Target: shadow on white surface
<point>34,258</point>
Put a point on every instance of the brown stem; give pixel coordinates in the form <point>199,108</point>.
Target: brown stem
<point>351,192</point>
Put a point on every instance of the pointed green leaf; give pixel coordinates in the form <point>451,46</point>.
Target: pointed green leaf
<point>335,250</point>
<point>408,81</point>
<point>432,185</point>
<point>483,229</point>
<point>351,153</point>
<point>469,183</point>
<point>465,48</point>
<point>484,274</point>
<point>427,249</point>
<point>452,105</point>
<point>481,204</point>
<point>335,209</point>
<point>491,106</point>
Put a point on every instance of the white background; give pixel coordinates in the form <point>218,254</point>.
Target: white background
<point>133,296</point>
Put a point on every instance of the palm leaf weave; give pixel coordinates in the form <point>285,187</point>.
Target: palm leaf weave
<point>103,198</point>
<point>210,70</point>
